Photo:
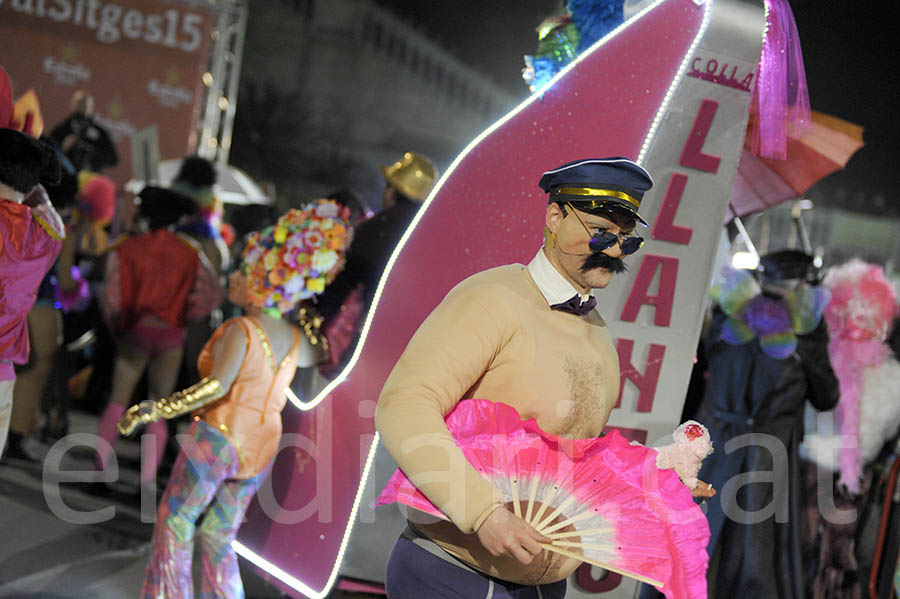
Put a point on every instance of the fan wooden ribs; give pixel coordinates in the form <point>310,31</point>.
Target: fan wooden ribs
<point>562,531</point>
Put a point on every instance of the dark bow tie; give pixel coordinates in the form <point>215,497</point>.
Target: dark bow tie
<point>576,306</point>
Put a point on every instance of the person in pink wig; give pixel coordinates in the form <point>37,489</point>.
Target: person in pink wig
<point>860,316</point>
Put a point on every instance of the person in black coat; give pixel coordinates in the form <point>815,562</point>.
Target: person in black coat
<point>407,184</point>
<point>766,352</point>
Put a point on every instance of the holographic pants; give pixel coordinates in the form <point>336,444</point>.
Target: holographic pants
<point>202,479</point>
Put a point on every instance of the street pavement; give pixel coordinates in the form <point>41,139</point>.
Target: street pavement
<point>48,547</point>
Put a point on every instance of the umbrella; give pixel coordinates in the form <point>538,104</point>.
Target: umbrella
<point>600,500</point>
<point>233,186</point>
<point>761,183</point>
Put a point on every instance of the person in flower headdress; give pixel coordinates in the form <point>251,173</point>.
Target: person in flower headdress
<point>31,234</point>
<point>246,366</point>
<point>341,309</point>
<point>767,350</point>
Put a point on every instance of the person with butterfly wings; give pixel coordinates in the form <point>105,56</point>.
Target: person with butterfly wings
<point>526,336</point>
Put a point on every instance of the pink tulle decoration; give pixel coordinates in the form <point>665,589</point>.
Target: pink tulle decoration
<point>75,300</point>
<point>859,316</point>
<point>779,107</point>
<point>628,513</point>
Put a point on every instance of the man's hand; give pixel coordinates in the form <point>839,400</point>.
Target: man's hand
<point>504,533</point>
<point>703,489</point>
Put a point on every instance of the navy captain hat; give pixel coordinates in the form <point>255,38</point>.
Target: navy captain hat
<point>599,185</point>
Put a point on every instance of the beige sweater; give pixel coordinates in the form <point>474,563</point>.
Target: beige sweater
<point>493,337</point>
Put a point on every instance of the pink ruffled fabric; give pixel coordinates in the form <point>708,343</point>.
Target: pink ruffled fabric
<point>657,530</point>
<point>779,107</point>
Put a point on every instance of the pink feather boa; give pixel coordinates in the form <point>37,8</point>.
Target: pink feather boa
<point>848,359</point>
<point>862,308</point>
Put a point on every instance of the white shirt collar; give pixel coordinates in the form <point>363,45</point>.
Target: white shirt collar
<point>553,286</point>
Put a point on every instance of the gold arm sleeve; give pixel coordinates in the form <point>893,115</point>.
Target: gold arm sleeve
<point>207,390</point>
<point>181,402</point>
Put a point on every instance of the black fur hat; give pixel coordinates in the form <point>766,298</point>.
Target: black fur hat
<point>162,207</point>
<point>197,171</point>
<point>25,161</point>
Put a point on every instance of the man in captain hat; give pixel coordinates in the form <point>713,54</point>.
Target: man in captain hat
<point>527,336</point>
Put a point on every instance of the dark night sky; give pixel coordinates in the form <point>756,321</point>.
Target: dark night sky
<point>490,35</point>
<point>850,61</point>
<point>851,66</point>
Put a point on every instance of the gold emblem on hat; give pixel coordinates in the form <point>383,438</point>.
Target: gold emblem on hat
<point>413,175</point>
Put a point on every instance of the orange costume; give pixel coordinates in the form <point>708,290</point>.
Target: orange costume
<point>250,413</point>
<point>237,424</point>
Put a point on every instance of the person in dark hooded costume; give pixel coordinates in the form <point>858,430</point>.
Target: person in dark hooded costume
<point>767,351</point>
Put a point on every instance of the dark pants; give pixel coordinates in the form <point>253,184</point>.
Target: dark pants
<point>415,573</point>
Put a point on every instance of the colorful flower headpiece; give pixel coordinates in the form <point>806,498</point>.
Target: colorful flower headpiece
<point>295,259</point>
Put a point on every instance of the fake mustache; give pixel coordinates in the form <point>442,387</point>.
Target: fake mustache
<point>601,260</point>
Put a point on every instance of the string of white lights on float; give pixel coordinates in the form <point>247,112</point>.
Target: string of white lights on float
<point>676,80</point>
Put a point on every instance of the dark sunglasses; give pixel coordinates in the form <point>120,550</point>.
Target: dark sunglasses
<point>603,240</point>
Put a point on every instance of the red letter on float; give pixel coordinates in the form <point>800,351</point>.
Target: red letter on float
<point>663,300</point>
<point>646,383</point>
<point>692,155</point>
<point>665,228</point>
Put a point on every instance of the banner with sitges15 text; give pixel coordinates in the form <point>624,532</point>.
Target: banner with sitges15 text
<point>141,60</point>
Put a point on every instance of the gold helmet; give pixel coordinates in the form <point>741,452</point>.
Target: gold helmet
<point>413,175</point>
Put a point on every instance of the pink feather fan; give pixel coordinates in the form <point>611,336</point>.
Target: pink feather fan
<point>602,500</point>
